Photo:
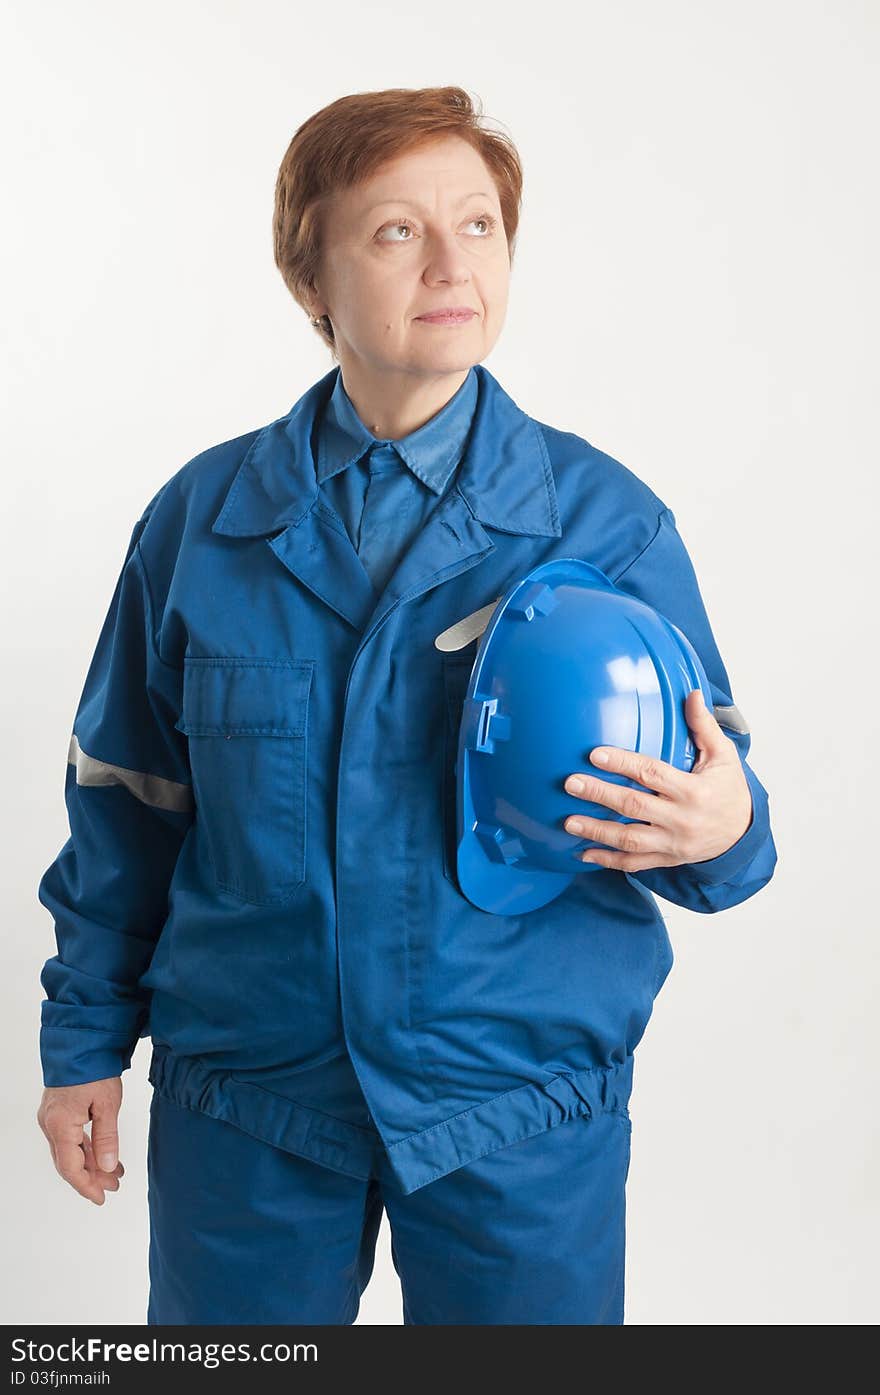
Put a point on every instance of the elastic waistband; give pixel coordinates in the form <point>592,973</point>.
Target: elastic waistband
<point>509,1118</point>
<point>359,1152</point>
<point>349,1148</point>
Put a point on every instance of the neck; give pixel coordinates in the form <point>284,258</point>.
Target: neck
<point>393,405</point>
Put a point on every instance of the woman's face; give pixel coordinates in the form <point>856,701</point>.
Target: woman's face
<point>422,234</point>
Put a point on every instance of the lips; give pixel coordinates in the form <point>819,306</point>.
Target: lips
<point>456,314</point>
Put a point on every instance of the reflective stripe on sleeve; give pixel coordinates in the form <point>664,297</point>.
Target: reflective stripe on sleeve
<point>732,718</point>
<point>151,789</point>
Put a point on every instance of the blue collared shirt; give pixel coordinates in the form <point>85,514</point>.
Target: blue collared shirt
<point>382,490</point>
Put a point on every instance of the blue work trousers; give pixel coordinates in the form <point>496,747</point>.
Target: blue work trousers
<point>244,1232</point>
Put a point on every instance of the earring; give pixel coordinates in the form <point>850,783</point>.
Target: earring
<point>316,320</point>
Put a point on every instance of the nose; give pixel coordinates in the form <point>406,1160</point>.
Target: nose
<point>446,262</point>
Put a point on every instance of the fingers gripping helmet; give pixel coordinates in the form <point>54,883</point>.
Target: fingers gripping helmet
<point>567,662</point>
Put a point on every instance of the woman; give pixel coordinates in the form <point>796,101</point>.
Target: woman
<point>261,870</point>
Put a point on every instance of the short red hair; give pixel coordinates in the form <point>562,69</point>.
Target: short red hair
<point>347,141</point>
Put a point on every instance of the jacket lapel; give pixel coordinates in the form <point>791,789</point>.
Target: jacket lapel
<point>504,483</point>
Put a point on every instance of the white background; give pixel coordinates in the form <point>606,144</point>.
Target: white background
<point>695,292</point>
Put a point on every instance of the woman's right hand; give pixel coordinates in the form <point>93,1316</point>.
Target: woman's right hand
<point>89,1164</point>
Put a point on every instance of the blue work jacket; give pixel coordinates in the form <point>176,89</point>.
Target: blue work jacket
<point>261,794</point>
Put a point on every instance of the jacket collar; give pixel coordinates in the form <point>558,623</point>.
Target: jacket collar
<point>505,477</point>
<point>431,452</point>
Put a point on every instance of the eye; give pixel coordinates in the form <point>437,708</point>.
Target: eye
<point>400,223</point>
<point>490,221</point>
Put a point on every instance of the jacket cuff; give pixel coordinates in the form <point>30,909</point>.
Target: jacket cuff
<point>723,868</point>
<point>78,1054</point>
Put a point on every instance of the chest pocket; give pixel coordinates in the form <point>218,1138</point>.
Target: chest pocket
<point>247,723</point>
<point>456,675</point>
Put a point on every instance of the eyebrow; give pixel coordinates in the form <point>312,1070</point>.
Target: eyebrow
<point>479,194</point>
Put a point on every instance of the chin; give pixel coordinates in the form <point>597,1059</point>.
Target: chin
<point>451,358</point>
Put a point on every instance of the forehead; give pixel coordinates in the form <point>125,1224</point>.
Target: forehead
<point>435,173</point>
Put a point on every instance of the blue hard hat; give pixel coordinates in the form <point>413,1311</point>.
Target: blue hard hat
<point>567,662</point>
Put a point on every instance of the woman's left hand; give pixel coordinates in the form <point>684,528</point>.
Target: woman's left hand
<point>691,816</point>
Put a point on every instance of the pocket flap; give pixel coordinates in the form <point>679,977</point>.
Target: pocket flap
<point>259,697</point>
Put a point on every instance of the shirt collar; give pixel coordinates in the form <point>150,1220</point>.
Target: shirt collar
<point>505,477</point>
<point>432,451</point>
